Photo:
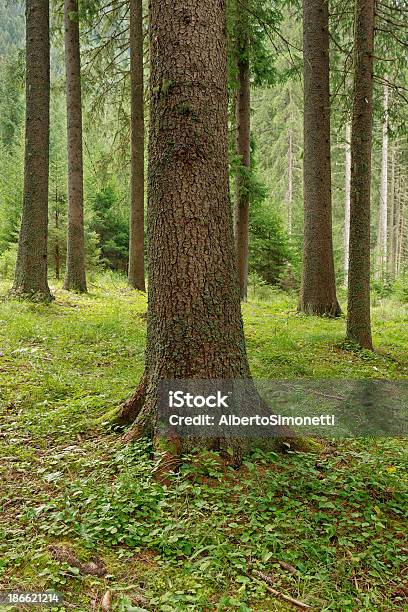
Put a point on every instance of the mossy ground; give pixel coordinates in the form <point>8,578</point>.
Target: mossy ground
<point>66,479</point>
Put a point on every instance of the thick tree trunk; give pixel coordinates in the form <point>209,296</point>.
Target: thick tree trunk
<point>318,292</point>
<point>136,274</point>
<point>347,186</point>
<point>75,278</point>
<point>383,210</point>
<point>243,147</point>
<point>194,317</point>
<point>358,316</point>
<point>31,268</point>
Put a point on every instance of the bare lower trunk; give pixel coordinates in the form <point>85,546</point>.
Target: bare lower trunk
<point>75,278</point>
<point>57,251</point>
<point>383,210</point>
<point>289,194</point>
<point>397,224</point>
<point>358,315</point>
<point>31,268</point>
<point>242,114</point>
<point>400,225</point>
<point>392,219</point>
<point>136,273</point>
<point>194,317</point>
<point>347,186</point>
<point>318,292</point>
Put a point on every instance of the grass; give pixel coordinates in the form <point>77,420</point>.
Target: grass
<point>336,519</point>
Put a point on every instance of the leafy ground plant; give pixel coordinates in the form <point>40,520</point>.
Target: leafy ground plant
<point>83,514</point>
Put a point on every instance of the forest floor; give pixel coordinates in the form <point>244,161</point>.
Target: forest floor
<point>74,502</point>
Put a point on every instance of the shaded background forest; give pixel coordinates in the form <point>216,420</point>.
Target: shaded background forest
<point>276,217</point>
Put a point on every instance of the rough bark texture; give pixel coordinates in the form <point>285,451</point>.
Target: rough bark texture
<point>382,245</point>
<point>136,239</point>
<point>358,316</point>
<point>31,268</point>
<point>243,147</point>
<point>194,317</point>
<point>75,278</point>
<point>318,292</point>
<point>347,189</point>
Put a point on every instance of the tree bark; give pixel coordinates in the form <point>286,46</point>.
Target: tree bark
<point>31,268</point>
<point>243,147</point>
<point>318,292</point>
<point>136,275</point>
<point>399,225</point>
<point>383,210</point>
<point>289,194</point>
<point>347,186</point>
<point>194,319</point>
<point>75,277</point>
<point>392,218</point>
<point>358,316</point>
<point>57,252</point>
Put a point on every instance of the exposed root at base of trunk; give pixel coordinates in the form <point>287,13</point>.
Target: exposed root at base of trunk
<point>133,434</point>
<point>331,311</point>
<point>19,293</point>
<point>133,406</point>
<point>170,450</point>
<point>361,341</point>
<point>140,411</point>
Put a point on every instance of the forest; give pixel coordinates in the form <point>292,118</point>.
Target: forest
<point>203,204</point>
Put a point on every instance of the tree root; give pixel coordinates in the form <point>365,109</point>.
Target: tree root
<point>18,293</point>
<point>331,311</point>
<point>140,412</point>
<point>134,405</point>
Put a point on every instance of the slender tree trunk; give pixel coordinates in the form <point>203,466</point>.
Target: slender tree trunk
<point>194,317</point>
<point>318,293</point>
<point>397,221</point>
<point>57,251</point>
<point>400,226</point>
<point>31,268</point>
<point>136,273</point>
<point>75,278</point>
<point>347,186</point>
<point>392,219</point>
<point>400,260</point>
<point>358,315</point>
<point>383,211</point>
<point>243,123</point>
<point>289,194</point>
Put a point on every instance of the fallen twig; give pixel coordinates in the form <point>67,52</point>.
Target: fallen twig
<point>291,600</point>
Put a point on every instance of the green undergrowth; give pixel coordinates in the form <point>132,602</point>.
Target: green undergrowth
<point>335,519</point>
